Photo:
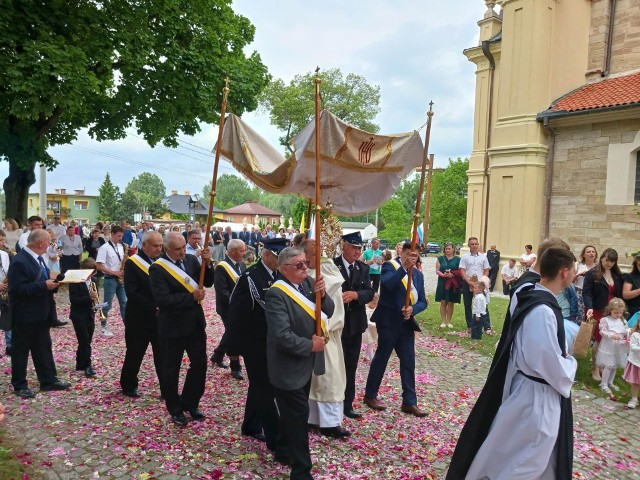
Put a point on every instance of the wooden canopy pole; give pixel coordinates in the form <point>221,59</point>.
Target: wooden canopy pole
<point>318,207</point>
<point>416,216</point>
<point>427,202</point>
<point>212,195</point>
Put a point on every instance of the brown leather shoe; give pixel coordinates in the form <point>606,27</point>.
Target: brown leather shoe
<point>374,404</point>
<point>413,410</point>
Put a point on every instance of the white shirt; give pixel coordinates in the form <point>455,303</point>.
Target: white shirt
<point>508,271</point>
<point>474,265</point>
<point>634,349</point>
<point>23,239</point>
<point>108,257</point>
<point>4,265</point>
<point>479,304</point>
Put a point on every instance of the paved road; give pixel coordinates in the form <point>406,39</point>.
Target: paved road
<point>92,431</point>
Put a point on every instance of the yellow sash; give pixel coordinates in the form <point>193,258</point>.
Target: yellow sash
<point>302,301</point>
<point>140,262</point>
<point>405,281</point>
<point>230,271</point>
<point>179,275</point>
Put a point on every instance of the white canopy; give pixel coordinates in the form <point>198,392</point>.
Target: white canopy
<point>359,170</point>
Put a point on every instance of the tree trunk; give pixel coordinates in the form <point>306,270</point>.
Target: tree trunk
<point>16,192</point>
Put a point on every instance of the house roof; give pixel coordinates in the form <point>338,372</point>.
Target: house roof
<point>360,225</point>
<point>180,204</point>
<point>251,208</point>
<point>612,92</point>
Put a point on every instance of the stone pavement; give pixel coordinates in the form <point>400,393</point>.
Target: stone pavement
<point>92,431</point>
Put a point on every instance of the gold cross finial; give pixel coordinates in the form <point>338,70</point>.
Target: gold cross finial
<point>430,112</point>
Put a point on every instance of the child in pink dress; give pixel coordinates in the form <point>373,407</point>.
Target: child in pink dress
<point>632,370</point>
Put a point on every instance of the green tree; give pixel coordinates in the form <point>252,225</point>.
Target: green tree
<point>447,218</point>
<point>292,106</point>
<point>407,193</point>
<point>148,190</point>
<point>283,203</point>
<point>231,190</point>
<point>109,65</point>
<point>392,211</point>
<point>396,221</point>
<point>108,200</point>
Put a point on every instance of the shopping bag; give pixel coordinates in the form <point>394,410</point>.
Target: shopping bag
<point>583,339</point>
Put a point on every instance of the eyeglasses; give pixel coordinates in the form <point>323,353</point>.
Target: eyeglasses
<point>299,265</point>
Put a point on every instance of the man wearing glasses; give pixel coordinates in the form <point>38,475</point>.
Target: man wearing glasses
<point>291,350</point>
<point>181,325</point>
<point>194,239</point>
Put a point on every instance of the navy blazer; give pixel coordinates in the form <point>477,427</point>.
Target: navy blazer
<point>245,237</point>
<point>392,296</point>
<point>31,300</point>
<point>596,294</point>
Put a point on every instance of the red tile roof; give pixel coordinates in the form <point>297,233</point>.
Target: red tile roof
<point>252,208</point>
<point>607,93</point>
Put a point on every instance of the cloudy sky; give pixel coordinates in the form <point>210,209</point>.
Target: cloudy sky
<point>411,49</point>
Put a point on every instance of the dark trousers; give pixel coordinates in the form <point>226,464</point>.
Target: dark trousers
<point>34,338</point>
<point>351,346</point>
<point>493,276</point>
<point>467,297</point>
<point>137,339</point>
<point>69,262</point>
<point>293,406</point>
<point>375,282</point>
<point>84,326</point>
<point>401,340</point>
<point>172,350</point>
<point>223,348</point>
<point>260,411</point>
<point>476,328</point>
<point>486,321</point>
<point>506,287</point>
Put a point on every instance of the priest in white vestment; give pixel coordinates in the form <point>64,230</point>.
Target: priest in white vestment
<point>327,391</point>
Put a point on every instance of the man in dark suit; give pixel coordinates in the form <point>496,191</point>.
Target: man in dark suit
<point>247,335</point>
<point>245,236</point>
<point>291,351</point>
<point>228,272</point>
<point>31,295</point>
<point>181,325</point>
<point>396,326</point>
<point>356,293</point>
<point>493,256</point>
<point>141,322</point>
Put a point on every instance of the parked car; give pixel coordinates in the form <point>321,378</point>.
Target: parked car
<point>432,247</point>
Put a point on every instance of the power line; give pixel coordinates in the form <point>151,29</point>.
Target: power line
<point>178,152</point>
<point>135,162</point>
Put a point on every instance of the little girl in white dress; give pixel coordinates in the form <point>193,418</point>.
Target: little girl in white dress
<point>614,346</point>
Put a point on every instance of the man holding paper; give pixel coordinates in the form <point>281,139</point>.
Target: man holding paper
<point>181,325</point>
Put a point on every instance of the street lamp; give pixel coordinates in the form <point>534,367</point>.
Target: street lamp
<point>192,208</point>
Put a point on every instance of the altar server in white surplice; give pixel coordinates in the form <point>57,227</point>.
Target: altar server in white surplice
<point>528,433</point>
<point>327,391</point>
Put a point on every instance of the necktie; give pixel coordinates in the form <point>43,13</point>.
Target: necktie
<point>180,265</point>
<point>237,267</point>
<point>350,271</point>
<point>43,267</point>
<point>302,290</point>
